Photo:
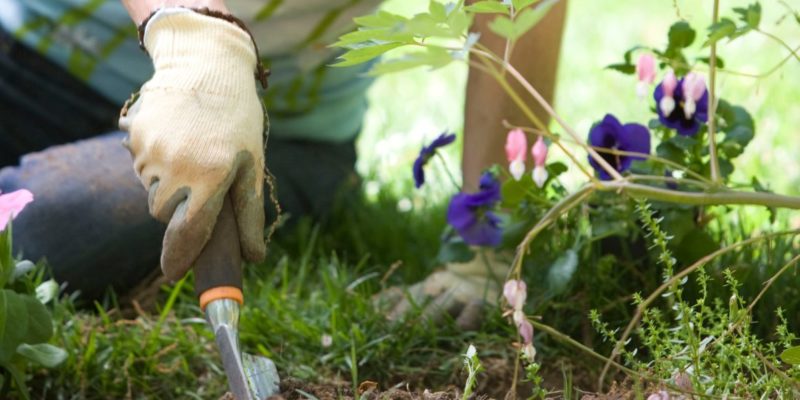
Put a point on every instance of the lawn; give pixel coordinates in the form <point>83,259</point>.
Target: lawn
<point>311,306</point>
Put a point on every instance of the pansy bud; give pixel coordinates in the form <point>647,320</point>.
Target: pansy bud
<point>526,331</point>
<point>539,175</point>
<point>694,86</point>
<point>516,168</point>
<point>516,145</point>
<point>646,72</point>
<point>668,85</point>
<point>515,292</point>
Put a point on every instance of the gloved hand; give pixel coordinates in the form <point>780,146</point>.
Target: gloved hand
<point>461,290</point>
<point>196,133</point>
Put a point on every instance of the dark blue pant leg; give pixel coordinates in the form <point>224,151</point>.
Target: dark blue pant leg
<point>89,216</point>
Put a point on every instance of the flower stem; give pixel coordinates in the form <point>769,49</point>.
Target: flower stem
<point>712,106</point>
<point>447,171</point>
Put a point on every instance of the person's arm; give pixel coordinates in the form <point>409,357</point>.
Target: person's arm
<point>536,57</point>
<point>141,9</point>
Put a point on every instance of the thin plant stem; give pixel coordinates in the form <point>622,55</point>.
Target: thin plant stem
<point>668,284</point>
<point>712,106</point>
<point>792,52</point>
<point>447,171</point>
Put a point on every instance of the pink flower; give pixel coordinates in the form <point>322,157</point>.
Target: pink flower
<point>646,68</point>
<point>668,85</point>
<point>11,204</point>
<point>526,331</point>
<point>694,87</point>
<point>646,71</point>
<point>516,147</point>
<point>539,152</point>
<point>516,292</point>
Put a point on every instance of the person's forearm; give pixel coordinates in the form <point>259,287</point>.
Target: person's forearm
<point>536,57</point>
<point>141,9</point>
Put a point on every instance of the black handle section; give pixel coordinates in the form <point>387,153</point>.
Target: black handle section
<point>220,262</point>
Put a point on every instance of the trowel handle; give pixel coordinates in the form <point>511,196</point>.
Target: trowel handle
<point>218,270</point>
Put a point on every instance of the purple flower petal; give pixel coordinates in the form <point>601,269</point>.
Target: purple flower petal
<point>470,214</point>
<point>611,134</point>
<point>425,155</point>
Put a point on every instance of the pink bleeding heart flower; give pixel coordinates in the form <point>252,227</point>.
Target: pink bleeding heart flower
<point>529,351</point>
<point>516,148</point>
<point>526,331</point>
<point>11,204</point>
<point>668,85</point>
<point>515,292</point>
<point>646,72</point>
<point>694,86</point>
<point>539,152</point>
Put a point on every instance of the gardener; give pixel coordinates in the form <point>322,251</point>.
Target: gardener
<point>195,133</point>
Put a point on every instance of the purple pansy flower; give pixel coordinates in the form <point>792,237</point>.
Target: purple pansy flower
<point>426,153</point>
<point>687,109</point>
<point>611,134</point>
<point>471,216</point>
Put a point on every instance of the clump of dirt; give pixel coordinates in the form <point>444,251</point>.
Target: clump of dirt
<point>294,389</point>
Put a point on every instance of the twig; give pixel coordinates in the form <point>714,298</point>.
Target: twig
<point>712,106</point>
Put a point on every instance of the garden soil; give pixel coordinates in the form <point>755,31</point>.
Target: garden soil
<point>493,383</point>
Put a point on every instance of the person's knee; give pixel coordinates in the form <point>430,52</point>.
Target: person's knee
<point>89,217</point>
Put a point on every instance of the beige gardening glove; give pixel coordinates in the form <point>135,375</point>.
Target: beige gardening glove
<point>460,290</point>
<point>196,134</point>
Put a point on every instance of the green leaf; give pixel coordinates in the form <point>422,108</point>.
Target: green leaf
<point>437,10</point>
<point>364,54</point>
<point>433,57</point>
<point>670,151</point>
<point>720,30</point>
<point>707,60</point>
<point>686,143</point>
<point>487,7</point>
<point>791,355</point>
<point>555,169</point>
<point>43,354</point>
<point>734,115</point>
<point>740,134</point>
<point>40,322</point>
<point>369,37</point>
<point>750,15</point>
<point>514,191</point>
<point>380,19</point>
<point>522,23</point>
<point>520,4</point>
<point>561,272</point>
<point>13,323</point>
<point>681,35</point>
<point>7,264</point>
<point>627,69</point>
<point>695,245</point>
